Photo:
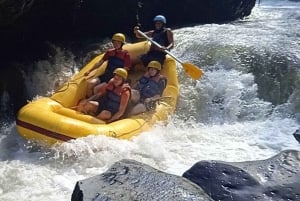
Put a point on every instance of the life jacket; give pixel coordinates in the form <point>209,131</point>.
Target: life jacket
<point>161,37</point>
<point>116,59</point>
<point>113,95</point>
<point>150,86</point>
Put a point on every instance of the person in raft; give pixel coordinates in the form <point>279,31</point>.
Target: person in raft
<point>110,101</point>
<point>148,90</point>
<point>161,35</point>
<point>115,57</point>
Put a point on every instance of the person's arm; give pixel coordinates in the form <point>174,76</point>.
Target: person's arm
<point>81,107</point>
<point>123,105</point>
<point>96,96</point>
<point>148,33</point>
<point>162,85</point>
<point>127,62</point>
<point>170,39</point>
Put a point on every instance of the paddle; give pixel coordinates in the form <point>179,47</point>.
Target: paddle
<point>192,70</point>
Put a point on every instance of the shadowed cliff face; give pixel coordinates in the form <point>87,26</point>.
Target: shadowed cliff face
<point>29,22</point>
<point>25,25</point>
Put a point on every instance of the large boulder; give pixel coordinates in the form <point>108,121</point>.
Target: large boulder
<point>274,179</point>
<point>131,180</point>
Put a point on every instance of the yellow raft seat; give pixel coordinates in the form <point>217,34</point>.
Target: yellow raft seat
<point>52,119</point>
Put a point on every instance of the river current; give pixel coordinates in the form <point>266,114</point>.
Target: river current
<point>245,107</point>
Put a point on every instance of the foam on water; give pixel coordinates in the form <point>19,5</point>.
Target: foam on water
<point>172,148</point>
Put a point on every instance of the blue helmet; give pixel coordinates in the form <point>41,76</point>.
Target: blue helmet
<point>160,18</point>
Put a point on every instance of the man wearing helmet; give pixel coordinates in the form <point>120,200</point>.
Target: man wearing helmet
<point>110,101</point>
<point>161,35</point>
<point>115,57</point>
<point>149,89</point>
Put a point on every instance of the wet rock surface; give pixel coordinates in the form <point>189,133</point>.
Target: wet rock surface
<point>131,180</point>
<point>273,179</point>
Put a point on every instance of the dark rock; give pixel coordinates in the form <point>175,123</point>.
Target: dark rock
<point>223,181</point>
<point>25,22</point>
<point>131,180</point>
<point>119,14</point>
<point>297,135</point>
<point>274,179</point>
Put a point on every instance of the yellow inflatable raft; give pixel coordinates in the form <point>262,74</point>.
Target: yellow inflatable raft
<point>51,119</point>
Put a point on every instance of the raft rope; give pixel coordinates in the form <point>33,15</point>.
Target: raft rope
<point>74,81</point>
<point>151,105</point>
<point>65,86</point>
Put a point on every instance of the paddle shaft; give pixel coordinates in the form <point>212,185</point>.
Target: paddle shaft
<point>192,70</point>
<point>158,45</point>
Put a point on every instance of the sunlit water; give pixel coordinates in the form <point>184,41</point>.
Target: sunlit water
<point>224,116</point>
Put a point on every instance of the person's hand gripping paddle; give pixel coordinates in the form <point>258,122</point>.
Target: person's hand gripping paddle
<point>192,70</point>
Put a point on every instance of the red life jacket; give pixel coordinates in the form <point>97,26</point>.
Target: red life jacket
<point>116,58</point>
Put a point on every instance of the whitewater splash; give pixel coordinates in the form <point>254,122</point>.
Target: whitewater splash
<point>228,115</point>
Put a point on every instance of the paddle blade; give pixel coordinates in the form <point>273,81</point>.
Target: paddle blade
<point>193,71</point>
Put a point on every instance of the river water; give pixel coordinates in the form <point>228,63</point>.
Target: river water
<point>245,107</point>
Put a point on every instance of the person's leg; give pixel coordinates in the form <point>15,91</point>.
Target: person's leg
<point>139,108</point>
<point>90,86</point>
<point>160,57</point>
<point>104,115</point>
<point>146,58</point>
<point>153,56</point>
<point>89,107</point>
<point>135,96</point>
